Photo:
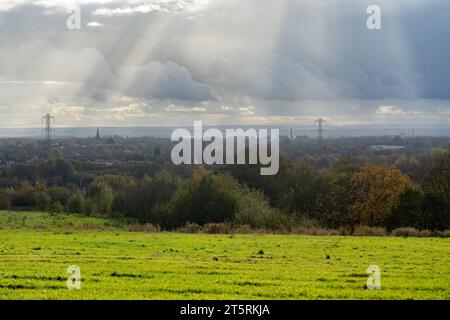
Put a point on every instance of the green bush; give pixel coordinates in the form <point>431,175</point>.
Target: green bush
<point>75,203</point>
<point>42,201</point>
<point>254,210</point>
<point>56,207</point>
<point>5,199</point>
<point>206,198</point>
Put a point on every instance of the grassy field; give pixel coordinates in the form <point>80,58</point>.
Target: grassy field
<point>35,252</point>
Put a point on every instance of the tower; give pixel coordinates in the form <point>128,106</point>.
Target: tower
<point>98,137</point>
<point>47,131</point>
<point>320,121</point>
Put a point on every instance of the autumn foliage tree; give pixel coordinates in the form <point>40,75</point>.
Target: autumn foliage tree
<point>374,191</point>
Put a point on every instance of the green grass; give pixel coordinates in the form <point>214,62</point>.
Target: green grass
<point>123,265</point>
<point>46,221</point>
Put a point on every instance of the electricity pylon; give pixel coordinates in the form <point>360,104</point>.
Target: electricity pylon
<point>47,131</point>
<point>320,121</point>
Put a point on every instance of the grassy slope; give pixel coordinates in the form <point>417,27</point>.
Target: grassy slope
<point>116,264</point>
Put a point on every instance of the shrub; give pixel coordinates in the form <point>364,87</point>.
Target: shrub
<point>425,233</point>
<point>405,232</point>
<point>244,229</point>
<point>324,232</point>
<point>56,207</point>
<point>436,211</point>
<point>42,201</point>
<point>216,228</point>
<point>75,203</point>
<point>369,231</point>
<point>303,190</point>
<point>190,228</point>
<point>315,231</point>
<point>90,226</point>
<point>446,233</point>
<point>300,230</point>
<point>206,198</point>
<point>5,200</point>
<point>24,196</point>
<point>147,228</point>
<point>60,194</point>
<point>104,202</point>
<point>407,211</point>
<point>254,210</point>
<point>88,207</point>
<point>345,231</point>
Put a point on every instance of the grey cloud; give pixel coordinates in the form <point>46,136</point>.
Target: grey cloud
<point>162,81</point>
<point>283,57</point>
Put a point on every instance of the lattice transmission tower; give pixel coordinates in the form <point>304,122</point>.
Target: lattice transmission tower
<point>320,121</point>
<point>48,131</point>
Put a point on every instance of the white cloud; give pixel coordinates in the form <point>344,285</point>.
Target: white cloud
<point>168,6</point>
<point>94,24</point>
<point>390,110</point>
<point>395,111</point>
<point>175,108</point>
<point>6,5</point>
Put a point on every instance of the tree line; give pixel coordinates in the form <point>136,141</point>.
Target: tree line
<point>413,192</point>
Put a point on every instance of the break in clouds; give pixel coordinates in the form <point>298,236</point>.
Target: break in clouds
<point>168,62</point>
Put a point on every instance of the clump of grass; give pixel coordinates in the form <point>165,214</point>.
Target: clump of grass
<point>345,231</point>
<point>126,275</point>
<point>369,231</point>
<point>425,233</point>
<point>147,228</point>
<point>39,227</point>
<point>216,228</point>
<point>315,231</point>
<point>245,229</point>
<point>405,232</point>
<point>190,228</point>
<point>442,234</point>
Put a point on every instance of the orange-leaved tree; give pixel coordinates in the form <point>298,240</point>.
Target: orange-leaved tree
<point>373,193</point>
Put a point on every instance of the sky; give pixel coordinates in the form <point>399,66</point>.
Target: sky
<point>170,62</point>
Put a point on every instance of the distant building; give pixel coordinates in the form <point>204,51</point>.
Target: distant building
<point>385,148</point>
<point>303,138</point>
<point>98,137</point>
